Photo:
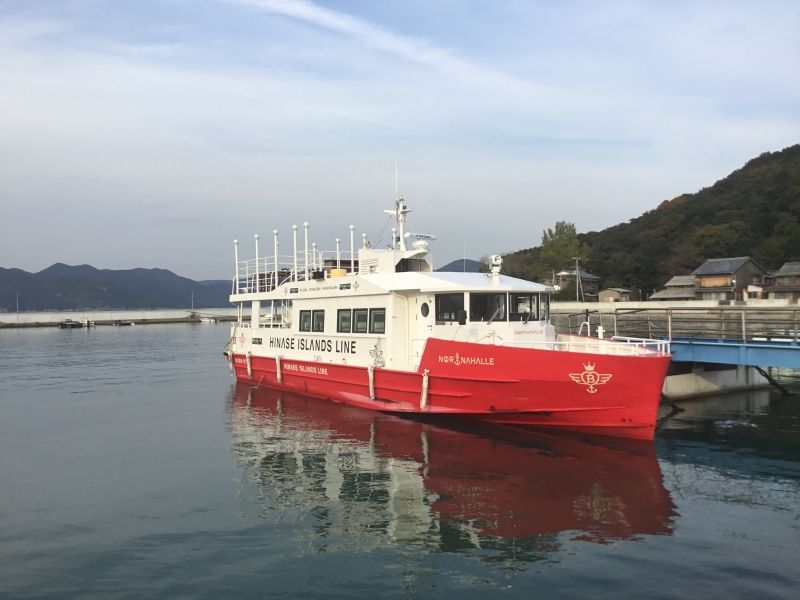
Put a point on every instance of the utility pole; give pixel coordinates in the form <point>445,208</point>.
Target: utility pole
<point>577,280</point>
<point>17,307</point>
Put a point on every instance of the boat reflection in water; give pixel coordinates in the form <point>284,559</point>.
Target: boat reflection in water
<point>365,478</point>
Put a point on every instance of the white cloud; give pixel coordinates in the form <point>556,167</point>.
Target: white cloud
<point>301,118</point>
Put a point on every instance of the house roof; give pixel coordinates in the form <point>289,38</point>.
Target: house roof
<point>584,274</point>
<point>618,290</point>
<point>723,266</point>
<point>681,281</point>
<point>785,287</point>
<point>674,294</point>
<point>789,268</point>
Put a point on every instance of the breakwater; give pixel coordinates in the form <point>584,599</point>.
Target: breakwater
<point>116,317</point>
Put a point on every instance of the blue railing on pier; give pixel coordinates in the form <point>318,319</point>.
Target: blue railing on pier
<point>754,353</point>
<point>763,336</point>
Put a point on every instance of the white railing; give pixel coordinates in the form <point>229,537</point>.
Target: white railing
<point>616,346</point>
<point>265,272</point>
<point>612,346</point>
<point>660,346</point>
<point>260,275</point>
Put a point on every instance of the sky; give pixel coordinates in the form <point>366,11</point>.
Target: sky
<point>152,133</point>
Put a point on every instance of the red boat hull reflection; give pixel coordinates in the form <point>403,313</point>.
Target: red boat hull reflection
<point>498,482</point>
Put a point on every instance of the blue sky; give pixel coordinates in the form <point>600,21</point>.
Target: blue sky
<point>153,133</point>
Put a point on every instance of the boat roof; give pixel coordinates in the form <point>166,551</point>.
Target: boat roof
<point>439,281</point>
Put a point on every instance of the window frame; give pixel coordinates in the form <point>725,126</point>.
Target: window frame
<point>304,322</point>
<point>371,326</point>
<point>359,312</point>
<point>447,317</point>
<point>339,314</point>
<point>533,298</point>
<point>477,318</point>
<point>318,326</point>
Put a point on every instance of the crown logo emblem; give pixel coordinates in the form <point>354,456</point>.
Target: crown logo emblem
<point>590,378</point>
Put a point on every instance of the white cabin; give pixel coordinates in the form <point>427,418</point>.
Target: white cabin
<point>380,308</point>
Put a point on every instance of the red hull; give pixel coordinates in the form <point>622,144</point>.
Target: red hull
<point>591,393</point>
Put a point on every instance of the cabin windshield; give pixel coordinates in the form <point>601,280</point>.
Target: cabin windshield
<point>524,307</point>
<point>448,306</point>
<point>487,307</point>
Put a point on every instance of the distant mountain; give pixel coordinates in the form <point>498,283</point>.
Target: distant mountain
<point>754,211</point>
<point>83,287</point>
<point>462,265</point>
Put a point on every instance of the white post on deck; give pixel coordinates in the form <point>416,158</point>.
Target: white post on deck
<point>305,244</point>
<point>255,314</point>
<point>352,249</point>
<point>258,283</point>
<point>236,264</point>
<point>294,251</point>
<point>338,254</point>
<point>275,250</point>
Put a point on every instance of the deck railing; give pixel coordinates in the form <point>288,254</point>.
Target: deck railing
<point>733,323</point>
<point>740,323</point>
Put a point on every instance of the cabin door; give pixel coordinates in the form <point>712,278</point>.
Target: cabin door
<point>420,326</point>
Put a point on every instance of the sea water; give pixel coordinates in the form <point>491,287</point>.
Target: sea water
<point>132,466</point>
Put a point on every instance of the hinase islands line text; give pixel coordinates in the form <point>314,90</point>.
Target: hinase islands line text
<point>314,344</point>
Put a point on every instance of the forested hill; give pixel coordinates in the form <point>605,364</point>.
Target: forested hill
<point>65,287</point>
<point>754,211</point>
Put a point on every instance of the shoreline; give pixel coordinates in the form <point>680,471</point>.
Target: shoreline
<point>102,318</point>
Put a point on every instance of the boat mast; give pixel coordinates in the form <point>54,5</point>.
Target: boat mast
<point>400,211</point>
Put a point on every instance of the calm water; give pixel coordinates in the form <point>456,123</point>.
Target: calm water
<point>131,466</point>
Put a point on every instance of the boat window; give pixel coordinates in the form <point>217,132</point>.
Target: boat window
<point>424,309</point>
<point>318,320</point>
<point>524,307</point>
<point>377,320</point>
<point>487,307</point>
<point>448,306</point>
<point>544,307</point>
<point>344,320</point>
<point>360,320</point>
<point>305,320</point>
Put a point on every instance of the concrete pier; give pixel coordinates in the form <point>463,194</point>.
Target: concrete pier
<point>114,317</point>
<point>706,380</point>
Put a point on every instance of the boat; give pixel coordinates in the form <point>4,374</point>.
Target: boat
<point>70,324</point>
<point>73,324</point>
<point>380,329</point>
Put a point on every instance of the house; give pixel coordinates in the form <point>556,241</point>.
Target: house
<point>787,283</point>
<point>615,295</point>
<point>680,287</point>
<point>590,284</point>
<point>726,278</point>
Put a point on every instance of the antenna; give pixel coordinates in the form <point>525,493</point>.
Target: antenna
<point>396,184</point>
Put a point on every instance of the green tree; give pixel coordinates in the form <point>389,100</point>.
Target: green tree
<point>560,246</point>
